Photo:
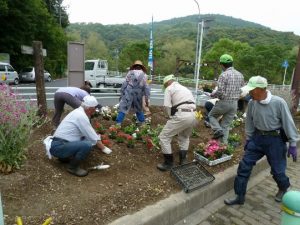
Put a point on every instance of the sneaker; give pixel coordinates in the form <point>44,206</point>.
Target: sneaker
<point>279,195</point>
<point>218,134</point>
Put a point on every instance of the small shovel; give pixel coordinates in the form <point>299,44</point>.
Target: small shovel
<point>99,167</point>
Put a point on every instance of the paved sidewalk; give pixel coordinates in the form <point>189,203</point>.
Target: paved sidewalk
<point>259,208</point>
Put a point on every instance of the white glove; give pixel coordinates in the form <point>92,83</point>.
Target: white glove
<point>107,150</point>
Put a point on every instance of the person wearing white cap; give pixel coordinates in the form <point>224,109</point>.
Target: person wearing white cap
<point>180,105</point>
<point>269,125</point>
<point>74,137</point>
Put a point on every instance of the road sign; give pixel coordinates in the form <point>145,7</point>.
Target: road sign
<point>29,50</point>
<point>285,64</point>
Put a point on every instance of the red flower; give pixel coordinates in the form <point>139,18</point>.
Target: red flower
<point>104,137</point>
<point>149,143</point>
<point>106,142</point>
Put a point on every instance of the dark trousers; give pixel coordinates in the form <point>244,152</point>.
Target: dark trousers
<point>79,150</point>
<point>263,145</point>
<point>208,106</point>
<point>60,98</point>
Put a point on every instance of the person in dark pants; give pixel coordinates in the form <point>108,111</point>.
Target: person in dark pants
<point>132,91</point>
<point>269,125</point>
<point>74,138</point>
<point>72,96</point>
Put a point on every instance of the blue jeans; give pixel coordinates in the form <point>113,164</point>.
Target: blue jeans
<point>121,116</point>
<point>77,149</point>
<point>263,145</point>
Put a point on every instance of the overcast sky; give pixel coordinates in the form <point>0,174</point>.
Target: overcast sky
<point>277,15</point>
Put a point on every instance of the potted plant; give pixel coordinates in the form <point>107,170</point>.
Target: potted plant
<point>213,152</point>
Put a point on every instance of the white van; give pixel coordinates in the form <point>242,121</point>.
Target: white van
<point>8,74</point>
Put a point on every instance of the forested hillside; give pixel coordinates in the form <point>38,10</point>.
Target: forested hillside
<point>256,48</point>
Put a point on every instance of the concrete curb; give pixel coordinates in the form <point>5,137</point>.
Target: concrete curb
<point>178,206</point>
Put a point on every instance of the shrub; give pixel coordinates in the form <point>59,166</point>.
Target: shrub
<point>17,118</point>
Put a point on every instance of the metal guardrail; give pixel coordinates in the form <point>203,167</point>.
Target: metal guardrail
<point>107,96</point>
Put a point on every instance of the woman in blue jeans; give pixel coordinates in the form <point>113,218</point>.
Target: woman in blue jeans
<point>132,91</point>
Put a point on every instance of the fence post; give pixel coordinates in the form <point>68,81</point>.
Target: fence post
<point>1,212</point>
<point>39,77</point>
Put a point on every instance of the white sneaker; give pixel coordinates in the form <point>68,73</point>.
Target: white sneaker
<point>107,150</point>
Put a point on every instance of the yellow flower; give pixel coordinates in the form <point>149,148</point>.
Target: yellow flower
<point>199,115</point>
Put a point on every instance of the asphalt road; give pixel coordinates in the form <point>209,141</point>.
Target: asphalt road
<point>107,97</point>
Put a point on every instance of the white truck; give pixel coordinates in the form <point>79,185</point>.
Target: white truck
<point>96,72</point>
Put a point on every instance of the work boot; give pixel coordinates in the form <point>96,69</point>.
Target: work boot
<point>279,195</point>
<point>218,134</point>
<point>182,157</point>
<point>238,200</point>
<point>64,160</point>
<point>167,164</point>
<point>74,168</point>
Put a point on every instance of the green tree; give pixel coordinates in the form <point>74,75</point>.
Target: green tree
<point>26,21</point>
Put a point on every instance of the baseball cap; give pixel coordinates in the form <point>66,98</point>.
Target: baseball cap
<point>168,78</point>
<point>226,58</point>
<point>90,101</point>
<point>255,82</point>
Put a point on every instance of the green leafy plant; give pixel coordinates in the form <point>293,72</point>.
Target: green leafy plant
<point>17,119</point>
<point>236,122</point>
<point>129,129</point>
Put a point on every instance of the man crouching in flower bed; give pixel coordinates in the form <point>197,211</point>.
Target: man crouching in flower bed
<point>74,137</point>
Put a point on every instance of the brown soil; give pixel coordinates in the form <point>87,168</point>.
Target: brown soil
<point>43,188</point>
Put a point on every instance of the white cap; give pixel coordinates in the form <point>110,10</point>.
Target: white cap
<point>89,101</point>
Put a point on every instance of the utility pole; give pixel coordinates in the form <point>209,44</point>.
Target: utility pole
<point>197,47</point>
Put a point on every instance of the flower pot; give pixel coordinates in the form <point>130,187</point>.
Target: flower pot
<point>212,162</point>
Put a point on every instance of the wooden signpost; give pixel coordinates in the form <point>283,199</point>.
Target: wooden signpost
<point>38,52</point>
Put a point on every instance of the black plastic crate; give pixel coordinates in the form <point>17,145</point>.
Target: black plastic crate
<point>192,176</point>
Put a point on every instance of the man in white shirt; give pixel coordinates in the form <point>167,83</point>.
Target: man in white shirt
<point>75,137</point>
<point>180,105</point>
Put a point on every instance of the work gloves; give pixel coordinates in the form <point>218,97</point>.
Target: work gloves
<point>293,151</point>
<point>106,150</point>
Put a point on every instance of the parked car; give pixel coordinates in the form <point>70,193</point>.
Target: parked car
<point>8,74</point>
<point>28,75</point>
